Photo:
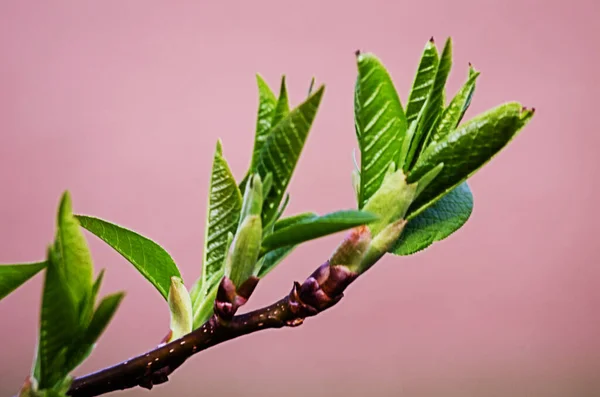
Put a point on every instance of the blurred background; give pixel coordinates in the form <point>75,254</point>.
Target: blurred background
<point>122,103</point>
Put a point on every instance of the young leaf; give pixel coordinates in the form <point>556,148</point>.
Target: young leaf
<point>314,227</point>
<point>99,321</point>
<point>458,106</point>
<point>282,108</point>
<point>72,252</point>
<point>180,306</point>
<point>423,81</point>
<point>224,206</point>
<point>266,107</point>
<point>291,220</point>
<point>380,123</point>
<point>149,258</point>
<point>282,149</point>
<point>466,149</point>
<point>13,276</point>
<point>272,259</point>
<point>437,222</point>
<point>432,109</point>
<point>59,324</point>
<point>68,286</point>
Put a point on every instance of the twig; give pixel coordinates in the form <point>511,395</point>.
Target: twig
<point>323,289</point>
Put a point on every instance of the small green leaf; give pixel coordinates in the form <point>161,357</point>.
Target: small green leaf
<point>314,227</point>
<point>380,123</point>
<point>99,321</point>
<point>437,222</point>
<point>102,316</point>
<point>457,108</point>
<point>273,258</point>
<point>282,109</point>
<point>432,109</point>
<point>282,150</point>
<point>149,258</point>
<point>467,149</point>
<point>13,276</point>
<point>423,82</point>
<point>180,305</point>
<point>72,252</point>
<point>59,324</point>
<point>224,206</point>
<point>291,220</point>
<point>266,107</point>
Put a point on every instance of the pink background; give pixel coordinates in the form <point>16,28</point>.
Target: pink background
<point>121,102</point>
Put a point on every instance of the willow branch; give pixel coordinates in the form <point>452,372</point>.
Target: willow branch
<point>323,289</point>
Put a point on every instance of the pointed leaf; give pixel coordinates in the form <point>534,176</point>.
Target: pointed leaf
<point>224,206</point>
<point>380,123</point>
<point>282,150</point>
<point>291,220</point>
<point>282,108</point>
<point>59,323</point>
<point>100,319</point>
<point>315,227</point>
<point>273,258</point>
<point>13,276</point>
<point>467,149</point>
<point>423,82</point>
<point>72,252</point>
<point>458,106</point>
<point>437,222</point>
<point>432,109</point>
<point>149,258</point>
<point>266,107</point>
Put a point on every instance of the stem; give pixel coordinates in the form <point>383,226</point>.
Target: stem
<point>323,289</point>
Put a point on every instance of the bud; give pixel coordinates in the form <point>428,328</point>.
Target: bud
<point>253,197</point>
<point>180,305</point>
<point>245,248</point>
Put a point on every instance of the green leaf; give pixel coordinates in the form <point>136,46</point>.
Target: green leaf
<point>282,150</point>
<point>149,258</point>
<point>224,206</point>
<point>437,222</point>
<point>266,107</point>
<point>72,252</point>
<point>290,220</point>
<point>59,323</point>
<point>100,319</point>
<point>423,82</point>
<point>13,276</point>
<point>432,109</point>
<point>102,316</point>
<point>380,123</point>
<point>283,106</point>
<point>272,259</point>
<point>467,149</point>
<point>315,227</point>
<point>456,109</point>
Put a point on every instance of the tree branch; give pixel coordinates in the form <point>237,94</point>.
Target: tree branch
<point>323,289</point>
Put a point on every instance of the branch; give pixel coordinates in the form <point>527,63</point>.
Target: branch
<point>323,289</point>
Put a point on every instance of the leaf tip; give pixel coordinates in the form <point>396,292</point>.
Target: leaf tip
<point>431,40</point>
<point>357,53</point>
